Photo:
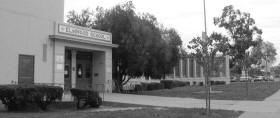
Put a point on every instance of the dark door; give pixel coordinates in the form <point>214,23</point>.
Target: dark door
<point>26,69</point>
<point>67,71</point>
<point>84,70</point>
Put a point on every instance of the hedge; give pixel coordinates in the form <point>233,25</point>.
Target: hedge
<point>138,88</point>
<point>218,82</point>
<point>200,83</point>
<point>149,86</point>
<point>86,97</point>
<point>16,97</point>
<point>144,86</point>
<point>179,83</point>
<point>169,84</point>
<point>188,83</point>
<point>155,86</point>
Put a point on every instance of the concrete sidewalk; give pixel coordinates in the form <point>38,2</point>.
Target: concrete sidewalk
<point>271,101</point>
<point>270,106</point>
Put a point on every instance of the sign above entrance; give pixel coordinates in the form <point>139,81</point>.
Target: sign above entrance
<point>83,32</point>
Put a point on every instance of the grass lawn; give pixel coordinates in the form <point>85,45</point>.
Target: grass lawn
<point>68,110</point>
<point>234,91</point>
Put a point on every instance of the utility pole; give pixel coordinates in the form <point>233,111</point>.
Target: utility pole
<point>206,65</point>
<point>246,75</point>
<point>266,69</point>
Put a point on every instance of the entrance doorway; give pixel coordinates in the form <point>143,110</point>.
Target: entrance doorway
<point>81,67</point>
<point>67,70</point>
<point>84,69</point>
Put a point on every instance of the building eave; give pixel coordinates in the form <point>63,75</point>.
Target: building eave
<point>58,37</point>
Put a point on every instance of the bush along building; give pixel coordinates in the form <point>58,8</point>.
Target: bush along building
<point>36,47</point>
<point>188,69</point>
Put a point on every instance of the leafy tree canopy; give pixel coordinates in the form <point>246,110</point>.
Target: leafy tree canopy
<point>208,49</point>
<point>276,71</point>
<point>263,53</point>
<point>242,31</point>
<point>216,44</point>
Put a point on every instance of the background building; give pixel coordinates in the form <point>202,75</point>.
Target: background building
<point>188,69</point>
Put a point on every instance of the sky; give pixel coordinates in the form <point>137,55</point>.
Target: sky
<point>186,16</point>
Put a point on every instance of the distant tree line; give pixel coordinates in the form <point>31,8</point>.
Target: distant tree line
<point>243,43</point>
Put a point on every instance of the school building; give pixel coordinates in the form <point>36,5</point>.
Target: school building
<point>36,47</point>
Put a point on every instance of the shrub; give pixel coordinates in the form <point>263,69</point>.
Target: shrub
<point>138,88</point>
<point>154,86</point>
<point>212,82</point>
<point>194,83</point>
<point>200,83</point>
<point>218,82</point>
<point>179,83</point>
<point>188,83</point>
<point>144,86</point>
<point>168,84</point>
<point>15,97</point>
<point>86,97</point>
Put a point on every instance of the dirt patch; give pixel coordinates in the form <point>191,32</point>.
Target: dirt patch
<point>210,92</point>
<point>104,108</point>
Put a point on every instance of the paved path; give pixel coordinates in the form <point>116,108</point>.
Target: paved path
<point>271,101</point>
<point>270,107</point>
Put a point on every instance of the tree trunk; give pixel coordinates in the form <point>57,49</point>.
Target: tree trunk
<point>118,85</point>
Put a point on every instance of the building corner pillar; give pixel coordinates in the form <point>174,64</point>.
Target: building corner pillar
<point>188,68</point>
<point>73,68</point>
<point>181,67</point>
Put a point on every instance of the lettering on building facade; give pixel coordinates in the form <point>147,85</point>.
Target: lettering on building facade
<point>71,30</point>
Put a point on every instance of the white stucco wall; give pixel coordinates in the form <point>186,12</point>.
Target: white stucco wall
<point>25,26</point>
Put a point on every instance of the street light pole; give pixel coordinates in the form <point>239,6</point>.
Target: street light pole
<point>246,74</point>
<point>206,65</point>
<point>266,70</point>
<point>205,25</point>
